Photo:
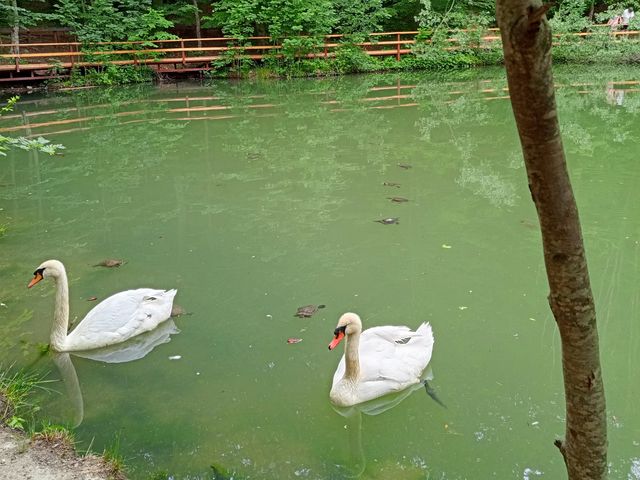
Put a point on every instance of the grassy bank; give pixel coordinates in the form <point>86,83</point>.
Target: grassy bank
<point>46,451</point>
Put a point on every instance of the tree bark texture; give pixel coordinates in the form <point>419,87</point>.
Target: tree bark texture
<point>15,29</point>
<point>197,19</point>
<point>526,39</point>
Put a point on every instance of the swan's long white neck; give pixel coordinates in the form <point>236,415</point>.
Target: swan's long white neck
<point>61,313</point>
<point>351,356</point>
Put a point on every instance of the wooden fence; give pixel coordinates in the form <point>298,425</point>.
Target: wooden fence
<point>39,61</point>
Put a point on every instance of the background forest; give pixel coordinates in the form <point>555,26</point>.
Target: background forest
<point>124,20</point>
<point>295,32</point>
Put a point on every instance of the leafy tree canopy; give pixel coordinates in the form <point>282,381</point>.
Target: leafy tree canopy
<point>113,20</point>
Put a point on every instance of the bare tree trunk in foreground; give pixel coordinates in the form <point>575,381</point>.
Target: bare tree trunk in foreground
<point>526,39</point>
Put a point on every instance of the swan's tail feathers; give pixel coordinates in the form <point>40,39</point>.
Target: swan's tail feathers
<point>171,293</point>
<point>432,393</point>
<point>425,330</point>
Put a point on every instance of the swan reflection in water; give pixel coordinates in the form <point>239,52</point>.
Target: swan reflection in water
<point>356,462</point>
<point>128,351</point>
<point>381,366</point>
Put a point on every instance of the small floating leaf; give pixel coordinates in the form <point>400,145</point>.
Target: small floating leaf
<point>294,340</point>
<point>92,299</point>
<point>444,245</point>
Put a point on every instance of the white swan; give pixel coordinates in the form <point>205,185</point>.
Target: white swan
<point>114,320</point>
<point>378,361</point>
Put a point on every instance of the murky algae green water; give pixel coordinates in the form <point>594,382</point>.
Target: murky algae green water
<point>255,198</point>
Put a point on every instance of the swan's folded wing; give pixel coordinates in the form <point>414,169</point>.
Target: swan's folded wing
<point>395,354</point>
<point>122,316</point>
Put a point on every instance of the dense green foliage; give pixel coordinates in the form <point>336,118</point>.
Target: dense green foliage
<point>12,13</point>
<point>112,20</point>
<point>300,27</point>
<point>119,20</point>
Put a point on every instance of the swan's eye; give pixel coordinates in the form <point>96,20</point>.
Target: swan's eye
<point>339,330</point>
<point>39,271</point>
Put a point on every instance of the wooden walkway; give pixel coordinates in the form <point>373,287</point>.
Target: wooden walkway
<point>41,61</point>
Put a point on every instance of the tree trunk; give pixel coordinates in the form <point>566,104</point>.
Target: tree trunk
<point>197,17</point>
<point>526,39</point>
<point>15,29</point>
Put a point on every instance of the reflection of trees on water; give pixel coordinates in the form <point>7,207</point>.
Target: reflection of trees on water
<point>483,181</point>
<point>464,122</point>
<point>296,159</point>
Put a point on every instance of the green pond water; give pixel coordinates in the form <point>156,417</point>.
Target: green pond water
<point>255,198</point>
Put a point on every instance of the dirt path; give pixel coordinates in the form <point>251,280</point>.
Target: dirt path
<point>24,459</point>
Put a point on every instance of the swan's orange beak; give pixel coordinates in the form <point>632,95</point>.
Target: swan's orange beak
<point>36,278</point>
<point>334,343</point>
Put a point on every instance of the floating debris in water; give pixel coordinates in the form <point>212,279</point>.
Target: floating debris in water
<point>398,199</point>
<point>391,184</point>
<point>406,166</point>
<point>175,357</point>
<point>389,221</point>
<point>110,263</point>
<point>294,340</point>
<point>444,245</point>
<point>92,299</point>
<point>307,311</point>
<point>462,307</point>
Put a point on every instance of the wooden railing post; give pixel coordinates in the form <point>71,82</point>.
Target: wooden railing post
<point>398,47</point>
<point>71,50</point>
<point>184,56</point>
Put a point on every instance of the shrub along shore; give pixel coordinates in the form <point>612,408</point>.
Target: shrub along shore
<point>300,28</point>
<point>599,48</point>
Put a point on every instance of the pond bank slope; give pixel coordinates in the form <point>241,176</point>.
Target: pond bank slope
<point>23,458</point>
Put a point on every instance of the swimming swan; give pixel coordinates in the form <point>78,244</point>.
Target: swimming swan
<point>378,361</point>
<point>114,320</point>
